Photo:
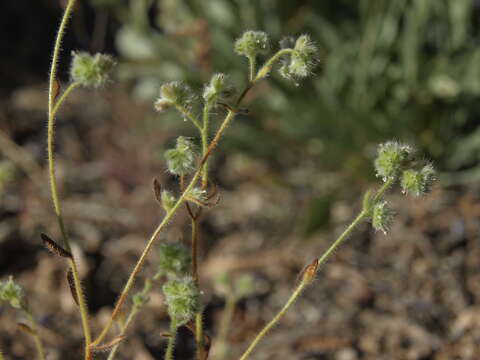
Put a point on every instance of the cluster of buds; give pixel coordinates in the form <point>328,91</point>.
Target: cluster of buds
<point>91,70</point>
<point>174,261</point>
<point>181,159</point>
<point>11,292</point>
<point>175,94</point>
<point>217,89</point>
<point>303,58</point>
<point>396,161</point>
<point>182,298</point>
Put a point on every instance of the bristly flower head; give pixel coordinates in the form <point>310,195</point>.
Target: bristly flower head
<point>418,182</point>
<point>181,159</point>
<point>217,88</point>
<point>302,60</point>
<point>252,43</point>
<point>91,70</point>
<point>392,158</point>
<point>174,260</point>
<point>382,217</point>
<point>11,292</point>
<point>174,93</point>
<point>183,300</point>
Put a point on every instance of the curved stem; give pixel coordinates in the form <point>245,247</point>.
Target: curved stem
<point>35,334</point>
<point>187,113</point>
<point>52,109</point>
<point>63,97</point>
<point>267,67</point>
<point>225,324</point>
<point>363,215</point>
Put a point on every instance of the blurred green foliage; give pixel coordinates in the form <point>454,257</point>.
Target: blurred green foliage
<point>400,69</point>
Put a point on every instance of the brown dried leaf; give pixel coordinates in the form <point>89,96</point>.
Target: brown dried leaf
<point>157,190</point>
<point>71,283</point>
<point>54,247</point>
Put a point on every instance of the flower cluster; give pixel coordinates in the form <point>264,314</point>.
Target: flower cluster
<point>174,260</point>
<point>302,60</point>
<point>181,159</point>
<point>11,292</point>
<point>252,43</point>
<point>182,298</point>
<point>395,161</point>
<point>91,70</point>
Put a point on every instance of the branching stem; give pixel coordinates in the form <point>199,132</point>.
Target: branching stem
<point>363,215</point>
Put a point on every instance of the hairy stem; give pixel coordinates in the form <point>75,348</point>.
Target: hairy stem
<point>251,64</point>
<point>130,317</point>
<point>36,336</point>
<point>160,227</point>
<point>171,341</point>
<point>267,67</point>
<point>52,108</point>
<point>204,138</point>
<point>363,215</point>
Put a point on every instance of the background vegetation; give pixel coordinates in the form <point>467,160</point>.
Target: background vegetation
<point>294,165</point>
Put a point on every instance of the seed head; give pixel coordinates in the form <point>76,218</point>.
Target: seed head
<point>181,159</point>
<point>392,158</point>
<point>382,217</point>
<point>182,298</point>
<point>174,260</point>
<point>91,70</point>
<point>416,182</point>
<point>252,43</point>
<point>11,292</point>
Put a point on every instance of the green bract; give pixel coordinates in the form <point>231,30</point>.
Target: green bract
<point>252,43</point>
<point>174,260</point>
<point>181,159</point>
<point>183,300</point>
<point>392,157</point>
<point>11,292</point>
<point>91,70</point>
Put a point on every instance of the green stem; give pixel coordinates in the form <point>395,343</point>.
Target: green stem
<point>252,64</point>
<point>363,215</point>
<point>130,317</point>
<point>267,67</point>
<point>225,323</point>
<point>171,341</point>
<point>159,228</point>
<point>187,113</point>
<point>204,138</point>
<point>275,320</point>
<point>35,334</point>
<point>63,97</point>
<point>52,109</point>
<point>199,335</point>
